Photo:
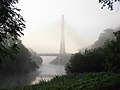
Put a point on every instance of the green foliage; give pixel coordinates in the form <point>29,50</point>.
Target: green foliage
<point>11,26</point>
<point>22,63</point>
<point>35,57</point>
<point>105,35</point>
<point>108,3</point>
<point>85,81</point>
<point>105,58</point>
<point>112,61</point>
<point>18,70</point>
<point>88,61</point>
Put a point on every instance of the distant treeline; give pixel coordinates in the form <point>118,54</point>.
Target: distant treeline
<point>106,35</point>
<point>103,55</point>
<point>35,57</point>
<point>21,69</point>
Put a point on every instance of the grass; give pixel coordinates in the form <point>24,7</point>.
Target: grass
<point>85,81</point>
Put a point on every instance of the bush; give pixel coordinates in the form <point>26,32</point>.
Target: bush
<point>85,81</point>
<point>106,58</point>
<point>88,61</point>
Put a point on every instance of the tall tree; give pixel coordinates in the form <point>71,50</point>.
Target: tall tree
<point>20,71</point>
<point>11,26</point>
<point>88,61</point>
<point>105,58</point>
<point>112,61</point>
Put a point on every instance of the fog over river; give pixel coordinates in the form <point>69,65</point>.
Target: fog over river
<point>48,71</point>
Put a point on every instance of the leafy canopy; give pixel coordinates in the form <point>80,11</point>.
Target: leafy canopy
<point>112,60</point>
<point>105,58</point>
<point>108,3</point>
<point>11,25</point>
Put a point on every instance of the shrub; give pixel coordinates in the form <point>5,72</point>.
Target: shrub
<point>88,61</point>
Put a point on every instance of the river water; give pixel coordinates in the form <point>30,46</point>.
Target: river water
<point>48,71</point>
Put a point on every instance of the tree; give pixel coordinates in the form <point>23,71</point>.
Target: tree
<point>105,35</point>
<point>88,61</point>
<point>11,26</point>
<point>22,64</point>
<point>105,58</point>
<point>20,71</point>
<point>108,3</point>
<point>36,58</point>
<point>112,60</point>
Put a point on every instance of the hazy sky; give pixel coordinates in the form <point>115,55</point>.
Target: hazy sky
<point>84,20</point>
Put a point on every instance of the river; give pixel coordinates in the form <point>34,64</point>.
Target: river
<point>48,71</point>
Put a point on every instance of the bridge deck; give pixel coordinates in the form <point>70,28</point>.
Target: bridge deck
<point>53,54</point>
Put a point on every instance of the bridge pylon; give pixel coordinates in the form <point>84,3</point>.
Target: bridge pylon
<point>62,52</point>
<point>62,42</point>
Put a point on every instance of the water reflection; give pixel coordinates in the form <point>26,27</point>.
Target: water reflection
<point>48,71</point>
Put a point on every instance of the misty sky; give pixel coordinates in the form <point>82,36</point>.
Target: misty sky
<point>84,20</point>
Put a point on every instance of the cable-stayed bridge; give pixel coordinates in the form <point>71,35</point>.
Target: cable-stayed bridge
<point>53,54</point>
<point>62,43</point>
